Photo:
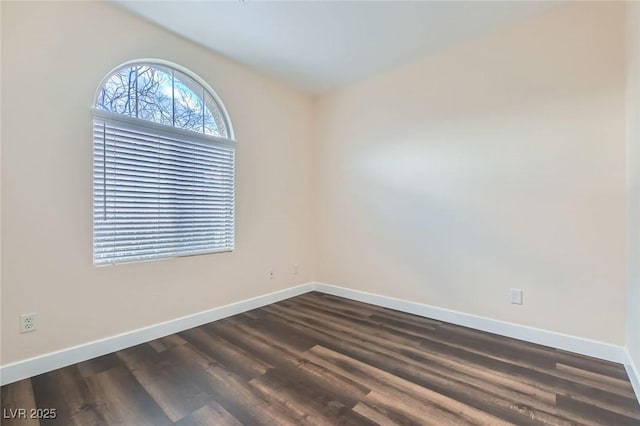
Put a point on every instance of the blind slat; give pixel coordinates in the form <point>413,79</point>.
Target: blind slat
<point>159,195</point>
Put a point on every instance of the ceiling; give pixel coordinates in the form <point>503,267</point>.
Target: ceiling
<point>317,46</point>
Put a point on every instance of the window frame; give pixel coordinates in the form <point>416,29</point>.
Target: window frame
<point>229,142</point>
<point>167,64</point>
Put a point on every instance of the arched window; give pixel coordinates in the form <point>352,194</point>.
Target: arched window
<point>163,165</point>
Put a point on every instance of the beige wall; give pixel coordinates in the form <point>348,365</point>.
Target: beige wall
<point>497,163</point>
<point>53,57</point>
<point>633,183</point>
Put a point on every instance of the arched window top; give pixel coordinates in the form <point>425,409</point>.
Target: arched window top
<point>166,94</point>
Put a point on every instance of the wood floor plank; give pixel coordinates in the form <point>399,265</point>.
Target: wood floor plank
<point>541,361</point>
<point>170,384</point>
<point>532,362</point>
<point>211,414</point>
<point>167,342</point>
<point>466,336</point>
<point>592,364</point>
<point>319,359</point>
<point>382,416</point>
<point>236,395</point>
<point>375,320</point>
<point>277,331</point>
<point>17,402</point>
<point>319,405</point>
<point>121,400</point>
<point>232,357</point>
<point>381,318</point>
<point>625,406</point>
<point>418,401</point>
<point>553,380</point>
<point>509,399</point>
<point>614,385</point>
<point>66,391</point>
<point>399,412</point>
<point>479,364</point>
<point>369,309</point>
<point>287,357</point>
<point>594,413</point>
<point>98,365</point>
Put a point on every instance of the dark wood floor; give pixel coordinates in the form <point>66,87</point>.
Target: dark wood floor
<point>320,359</point>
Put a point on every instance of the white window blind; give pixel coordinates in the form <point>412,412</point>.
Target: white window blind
<point>159,191</point>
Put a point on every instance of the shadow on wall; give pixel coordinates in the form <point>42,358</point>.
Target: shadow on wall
<point>472,197</point>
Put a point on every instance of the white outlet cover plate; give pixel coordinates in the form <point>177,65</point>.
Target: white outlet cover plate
<point>516,296</point>
<point>28,323</point>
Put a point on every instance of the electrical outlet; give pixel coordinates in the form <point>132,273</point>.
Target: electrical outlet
<point>272,274</point>
<point>516,296</point>
<point>28,323</point>
<point>296,269</point>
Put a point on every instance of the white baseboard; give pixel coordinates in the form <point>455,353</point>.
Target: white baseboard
<point>565,342</point>
<point>633,372</point>
<point>41,364</point>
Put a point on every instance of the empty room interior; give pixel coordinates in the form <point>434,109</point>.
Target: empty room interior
<point>320,212</point>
